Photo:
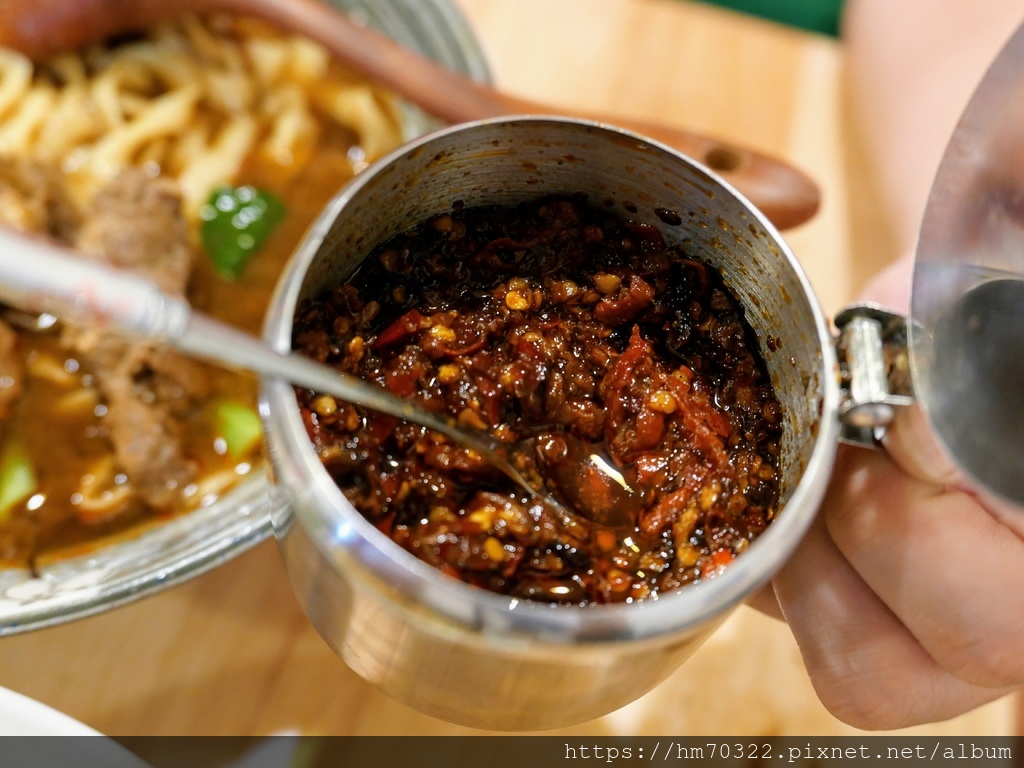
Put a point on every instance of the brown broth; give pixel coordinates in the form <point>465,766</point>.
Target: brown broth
<point>66,447</point>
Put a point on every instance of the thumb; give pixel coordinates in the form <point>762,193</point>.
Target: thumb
<point>911,442</point>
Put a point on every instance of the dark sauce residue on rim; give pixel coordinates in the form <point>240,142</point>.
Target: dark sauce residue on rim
<point>668,216</point>
<point>568,325</point>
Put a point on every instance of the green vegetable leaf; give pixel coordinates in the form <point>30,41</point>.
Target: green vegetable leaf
<point>239,426</point>
<point>17,477</point>
<point>236,223</point>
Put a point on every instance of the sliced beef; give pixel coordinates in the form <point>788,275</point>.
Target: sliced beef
<point>143,406</point>
<point>135,223</point>
<point>34,199</point>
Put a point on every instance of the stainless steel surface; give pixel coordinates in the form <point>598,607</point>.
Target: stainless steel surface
<point>867,374</point>
<point>479,658</point>
<point>968,299</point>
<point>178,549</point>
<point>874,371</point>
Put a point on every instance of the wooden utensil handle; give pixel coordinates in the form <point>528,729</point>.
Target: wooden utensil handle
<point>41,27</point>
<point>783,193</point>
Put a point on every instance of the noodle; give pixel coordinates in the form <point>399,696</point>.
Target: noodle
<point>15,79</point>
<point>27,119</point>
<point>196,104</point>
<point>164,116</point>
<point>193,99</point>
<point>219,160</point>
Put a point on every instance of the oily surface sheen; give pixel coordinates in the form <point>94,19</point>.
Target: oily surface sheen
<point>560,323</point>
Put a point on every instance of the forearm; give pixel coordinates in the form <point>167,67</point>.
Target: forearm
<point>912,66</point>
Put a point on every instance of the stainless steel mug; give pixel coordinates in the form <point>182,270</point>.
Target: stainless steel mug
<point>483,659</point>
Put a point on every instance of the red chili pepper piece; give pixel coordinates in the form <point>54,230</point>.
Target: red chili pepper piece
<point>404,326</point>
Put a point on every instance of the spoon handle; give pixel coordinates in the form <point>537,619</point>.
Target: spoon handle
<point>37,276</point>
<point>205,338</point>
<point>40,277</point>
<point>784,194</point>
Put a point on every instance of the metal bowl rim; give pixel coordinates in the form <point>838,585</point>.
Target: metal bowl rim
<point>469,606</point>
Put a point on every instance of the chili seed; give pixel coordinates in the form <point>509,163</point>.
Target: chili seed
<point>687,555</point>
<point>639,590</point>
<point>618,581</point>
<point>607,283</point>
<point>441,514</point>
<point>442,333</point>
<point>517,301</point>
<point>324,405</point>
<point>709,495</point>
<point>353,420</point>
<point>449,373</point>
<point>564,290</point>
<point>342,325</point>
<point>470,418</point>
<point>494,549</point>
<point>443,224</point>
<point>356,348</point>
<point>370,311</point>
<point>389,259</point>
<point>662,401</point>
<point>484,517</point>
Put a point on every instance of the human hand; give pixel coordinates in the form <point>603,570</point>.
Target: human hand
<point>906,598</point>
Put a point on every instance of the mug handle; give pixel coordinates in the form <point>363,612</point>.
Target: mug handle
<point>874,370</point>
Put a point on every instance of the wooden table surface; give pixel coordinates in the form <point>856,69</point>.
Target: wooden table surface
<point>231,652</point>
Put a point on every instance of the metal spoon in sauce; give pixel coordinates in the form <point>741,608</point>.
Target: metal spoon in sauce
<point>40,28</point>
<point>37,276</point>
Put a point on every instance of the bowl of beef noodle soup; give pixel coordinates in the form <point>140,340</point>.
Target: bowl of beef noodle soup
<point>195,153</point>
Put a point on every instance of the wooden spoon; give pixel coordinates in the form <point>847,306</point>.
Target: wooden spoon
<point>43,27</point>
